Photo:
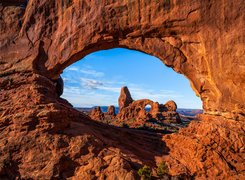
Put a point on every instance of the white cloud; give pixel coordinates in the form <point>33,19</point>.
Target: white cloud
<point>72,68</point>
<point>91,83</point>
<point>92,72</point>
<point>111,89</point>
<point>153,94</point>
<point>88,98</point>
<point>87,87</point>
<point>70,80</point>
<point>92,92</point>
<point>86,70</point>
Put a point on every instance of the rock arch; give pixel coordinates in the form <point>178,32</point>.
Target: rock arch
<point>55,35</point>
<point>204,40</point>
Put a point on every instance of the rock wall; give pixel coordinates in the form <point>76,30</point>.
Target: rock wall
<point>203,40</point>
<point>195,38</point>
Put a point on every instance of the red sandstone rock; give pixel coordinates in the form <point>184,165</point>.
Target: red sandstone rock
<point>206,143</point>
<point>125,98</point>
<point>111,111</point>
<point>135,110</point>
<point>97,114</point>
<point>171,32</point>
<point>159,112</point>
<point>204,40</point>
<point>171,106</point>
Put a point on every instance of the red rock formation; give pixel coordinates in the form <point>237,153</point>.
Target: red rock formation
<point>111,113</point>
<point>204,145</point>
<point>125,98</point>
<point>136,110</point>
<point>204,40</point>
<point>171,106</point>
<point>97,114</point>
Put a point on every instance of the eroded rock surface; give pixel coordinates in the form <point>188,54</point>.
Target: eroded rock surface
<point>111,113</point>
<point>97,114</point>
<point>137,110</point>
<point>125,98</point>
<point>204,144</point>
<point>43,137</point>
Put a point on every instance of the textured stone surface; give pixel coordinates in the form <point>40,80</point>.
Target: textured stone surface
<point>125,98</point>
<point>204,40</point>
<point>171,106</point>
<point>213,148</point>
<point>97,114</point>
<point>136,109</point>
<point>192,37</point>
<point>111,112</point>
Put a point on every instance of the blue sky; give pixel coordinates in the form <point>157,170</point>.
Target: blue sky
<point>97,78</point>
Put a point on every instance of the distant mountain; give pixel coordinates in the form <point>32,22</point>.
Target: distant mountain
<point>189,112</point>
<point>183,111</point>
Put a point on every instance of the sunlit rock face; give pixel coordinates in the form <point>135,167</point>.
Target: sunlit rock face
<point>204,40</point>
<point>111,111</point>
<point>125,98</point>
<point>97,114</point>
<point>130,109</point>
<point>196,38</point>
<point>135,109</point>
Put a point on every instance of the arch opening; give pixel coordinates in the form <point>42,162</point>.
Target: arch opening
<point>97,79</point>
<point>148,108</point>
<point>164,49</point>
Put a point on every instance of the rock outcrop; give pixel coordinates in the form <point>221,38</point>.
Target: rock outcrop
<point>170,106</point>
<point>125,98</point>
<point>136,110</point>
<point>43,137</point>
<point>111,112</point>
<point>97,114</point>
<point>204,144</point>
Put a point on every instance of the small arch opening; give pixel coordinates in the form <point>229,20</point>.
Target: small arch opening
<point>148,108</point>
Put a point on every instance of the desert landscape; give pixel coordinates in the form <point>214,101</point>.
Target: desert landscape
<point>43,136</point>
<point>134,114</point>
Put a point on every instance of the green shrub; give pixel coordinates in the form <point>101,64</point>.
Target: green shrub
<point>145,172</point>
<point>162,169</point>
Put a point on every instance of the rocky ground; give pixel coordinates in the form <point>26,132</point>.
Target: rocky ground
<point>80,148</point>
